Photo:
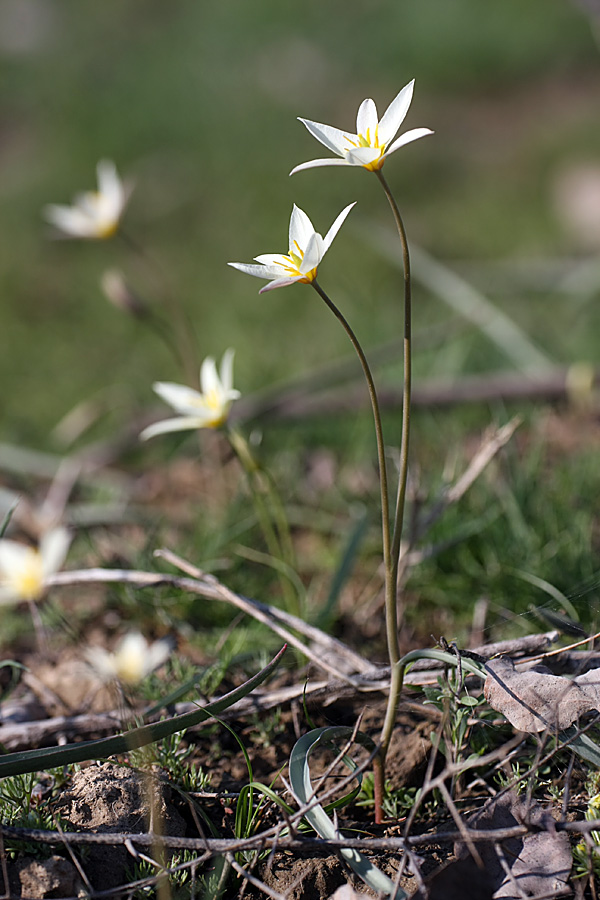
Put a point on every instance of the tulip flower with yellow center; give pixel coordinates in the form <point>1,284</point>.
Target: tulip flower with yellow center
<point>374,138</point>
<point>306,250</point>
<point>208,408</point>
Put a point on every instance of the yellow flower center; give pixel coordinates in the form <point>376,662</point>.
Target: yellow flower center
<point>212,399</point>
<point>295,259</point>
<point>29,582</point>
<point>364,140</point>
<point>130,670</point>
<point>104,229</point>
<point>108,230</point>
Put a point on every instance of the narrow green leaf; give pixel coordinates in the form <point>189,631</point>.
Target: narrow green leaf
<point>317,817</point>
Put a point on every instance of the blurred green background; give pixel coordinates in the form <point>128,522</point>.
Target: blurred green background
<point>197,102</point>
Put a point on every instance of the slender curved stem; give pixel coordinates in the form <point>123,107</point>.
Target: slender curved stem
<point>383,481</point>
<point>406,396</point>
<point>392,621</point>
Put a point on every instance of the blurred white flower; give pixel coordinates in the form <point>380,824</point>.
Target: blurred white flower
<point>133,659</point>
<point>207,408</point>
<point>374,138</point>
<point>24,570</point>
<point>306,250</point>
<point>94,214</point>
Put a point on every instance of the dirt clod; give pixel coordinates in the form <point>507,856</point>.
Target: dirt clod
<point>113,799</point>
<point>306,879</point>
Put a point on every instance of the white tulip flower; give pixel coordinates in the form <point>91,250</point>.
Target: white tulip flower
<point>306,250</point>
<point>94,214</point>
<point>208,408</point>
<point>374,138</point>
<point>133,659</point>
<point>25,570</point>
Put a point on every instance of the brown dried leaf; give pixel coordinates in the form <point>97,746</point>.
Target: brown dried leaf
<point>537,700</point>
<point>535,865</point>
<point>539,864</point>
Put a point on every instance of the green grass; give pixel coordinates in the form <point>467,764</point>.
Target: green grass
<point>198,104</point>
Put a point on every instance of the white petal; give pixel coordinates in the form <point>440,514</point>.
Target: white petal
<point>249,269</point>
<point>70,220</point>
<point>279,282</point>
<point>102,662</point>
<point>8,596</point>
<point>332,138</point>
<point>407,137</point>
<point>209,379</point>
<point>366,119</point>
<point>109,184</point>
<point>157,654</point>
<point>183,399</point>
<point>301,230</point>
<point>133,644</point>
<point>227,371</point>
<point>316,163</point>
<point>13,556</point>
<point>272,260</point>
<point>362,156</point>
<point>313,253</point>
<point>183,423</point>
<point>335,228</point>
<point>395,114</point>
<point>54,545</point>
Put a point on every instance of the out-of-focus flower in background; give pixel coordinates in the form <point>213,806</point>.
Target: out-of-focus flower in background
<point>306,250</point>
<point>132,660</point>
<point>24,570</point>
<point>207,408</point>
<point>93,215</point>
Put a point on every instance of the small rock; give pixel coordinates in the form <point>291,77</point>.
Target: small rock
<point>54,877</point>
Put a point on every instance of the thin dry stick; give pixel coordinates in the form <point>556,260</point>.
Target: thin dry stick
<point>508,872</point>
<point>451,806</point>
<point>332,645</point>
<point>560,650</point>
<point>345,749</point>
<point>264,840</point>
<point>73,856</point>
<point>213,590</point>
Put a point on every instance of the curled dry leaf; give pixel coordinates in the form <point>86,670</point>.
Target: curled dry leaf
<point>537,700</point>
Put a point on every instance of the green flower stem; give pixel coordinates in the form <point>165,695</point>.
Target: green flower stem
<point>406,396</point>
<point>385,509</point>
<point>392,623</point>
<point>181,325</point>
<point>273,522</point>
<point>391,570</point>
